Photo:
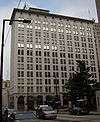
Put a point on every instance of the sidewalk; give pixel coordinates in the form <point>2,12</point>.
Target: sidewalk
<point>75,118</point>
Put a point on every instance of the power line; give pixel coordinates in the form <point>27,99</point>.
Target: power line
<point>19,3</point>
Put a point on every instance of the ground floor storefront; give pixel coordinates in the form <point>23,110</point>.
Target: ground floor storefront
<point>30,101</point>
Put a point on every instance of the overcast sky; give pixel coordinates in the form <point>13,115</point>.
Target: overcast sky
<point>85,9</point>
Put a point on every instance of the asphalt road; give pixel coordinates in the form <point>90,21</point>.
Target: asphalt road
<point>39,120</point>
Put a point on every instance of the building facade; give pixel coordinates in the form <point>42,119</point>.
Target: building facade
<point>44,54</point>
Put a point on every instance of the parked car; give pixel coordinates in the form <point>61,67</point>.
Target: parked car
<point>46,112</point>
<point>80,107</point>
<point>78,110</point>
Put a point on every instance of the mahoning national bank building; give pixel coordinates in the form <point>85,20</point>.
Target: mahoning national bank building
<point>44,55</point>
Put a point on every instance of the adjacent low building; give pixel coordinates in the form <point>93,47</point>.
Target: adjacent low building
<point>5,93</point>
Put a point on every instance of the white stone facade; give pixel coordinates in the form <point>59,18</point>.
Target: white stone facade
<point>46,50</point>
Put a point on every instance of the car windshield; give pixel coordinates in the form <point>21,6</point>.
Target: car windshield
<point>47,108</point>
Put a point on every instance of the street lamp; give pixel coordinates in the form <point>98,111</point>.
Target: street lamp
<point>1,63</point>
<point>56,86</point>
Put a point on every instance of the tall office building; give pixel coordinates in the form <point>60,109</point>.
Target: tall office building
<point>98,9</point>
<point>44,54</point>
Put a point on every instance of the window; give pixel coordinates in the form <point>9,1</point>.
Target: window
<point>29,45</point>
<point>62,55</point>
<point>38,46</point>
<point>85,56</point>
<point>69,43</point>
<point>78,56</point>
<point>29,59</point>
<point>91,51</point>
<point>55,74</point>
<point>71,68</point>
<point>55,61</point>
<point>63,81</point>
<point>38,60</point>
<point>46,47</point>
<point>83,39</point>
<point>30,52</point>
<point>77,44</point>
<point>63,68</point>
<point>20,73</point>
<point>75,27</point>
<point>90,45</point>
<point>20,45</point>
<point>47,74</point>
<point>55,67</point>
<point>76,38</point>
<point>75,32</point>
<point>84,50</point>
<point>46,67</point>
<point>29,81</point>
<point>54,54</point>
<point>61,36</point>
<point>54,47</point>
<point>68,31</point>
<point>29,73</point>
<point>68,26</point>
<point>39,81</point>
<point>61,42</point>
<point>70,55</point>
<point>63,61</point>
<point>64,74</point>
<point>48,81</point>
<point>77,50</point>
<point>29,66</point>
<point>38,53</point>
<point>62,48</point>
<point>20,59</point>
<point>38,74</point>
<point>70,49</point>
<point>91,57</point>
<point>38,67</point>
<point>47,60</point>
<point>20,52</point>
<point>69,37</point>
<point>48,89</point>
<point>39,89</point>
<point>71,62</point>
<point>47,54</point>
<point>83,44</point>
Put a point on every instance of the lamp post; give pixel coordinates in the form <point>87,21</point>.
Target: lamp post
<point>2,53</point>
<point>56,86</point>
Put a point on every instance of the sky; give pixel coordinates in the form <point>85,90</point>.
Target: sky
<point>85,9</point>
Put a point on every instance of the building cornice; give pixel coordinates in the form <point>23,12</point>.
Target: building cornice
<point>46,13</point>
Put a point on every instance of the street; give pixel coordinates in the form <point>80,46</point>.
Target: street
<point>40,120</point>
<point>67,118</point>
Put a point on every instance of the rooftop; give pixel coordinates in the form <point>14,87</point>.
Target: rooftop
<point>47,13</point>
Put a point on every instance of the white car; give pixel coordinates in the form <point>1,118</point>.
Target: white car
<point>46,112</point>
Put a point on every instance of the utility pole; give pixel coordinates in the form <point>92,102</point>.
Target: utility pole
<point>56,100</point>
